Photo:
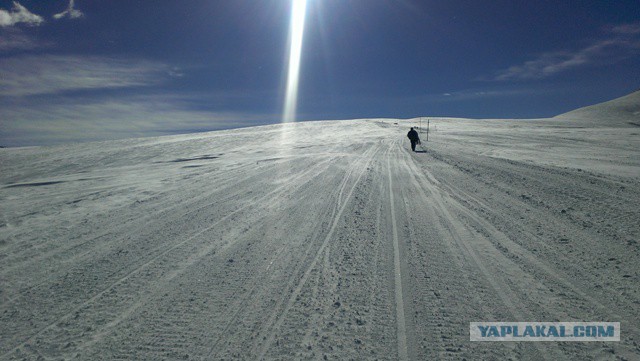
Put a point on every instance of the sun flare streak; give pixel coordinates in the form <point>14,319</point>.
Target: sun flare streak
<point>296,31</point>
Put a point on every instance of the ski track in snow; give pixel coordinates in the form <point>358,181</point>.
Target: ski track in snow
<point>400,316</point>
<point>322,240</point>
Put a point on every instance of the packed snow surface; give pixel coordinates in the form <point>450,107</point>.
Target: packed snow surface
<point>324,240</point>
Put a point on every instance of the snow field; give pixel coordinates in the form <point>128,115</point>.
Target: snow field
<point>321,240</point>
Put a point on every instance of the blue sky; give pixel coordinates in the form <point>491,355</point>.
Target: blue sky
<point>107,69</point>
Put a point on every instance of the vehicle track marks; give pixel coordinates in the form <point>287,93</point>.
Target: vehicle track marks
<point>463,238</point>
<point>400,316</point>
<point>273,193</point>
<point>344,196</point>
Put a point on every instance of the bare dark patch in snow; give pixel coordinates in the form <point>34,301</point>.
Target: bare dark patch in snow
<point>269,160</point>
<point>202,157</point>
<point>35,184</point>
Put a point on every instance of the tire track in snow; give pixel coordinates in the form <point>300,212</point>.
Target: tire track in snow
<point>529,257</point>
<point>278,318</point>
<point>436,295</point>
<point>276,315</point>
<point>461,237</point>
<point>521,252</point>
<point>214,352</point>
<point>270,195</point>
<point>240,306</point>
<point>121,227</point>
<point>291,185</point>
<point>400,316</point>
<point>439,321</point>
<point>531,262</point>
<point>336,217</point>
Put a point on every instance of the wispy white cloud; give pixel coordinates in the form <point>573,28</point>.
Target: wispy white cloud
<point>473,94</point>
<point>18,14</point>
<point>71,12</point>
<point>626,29</point>
<point>75,107</point>
<point>74,120</point>
<point>622,44</point>
<point>175,72</point>
<point>12,38</point>
<point>74,110</point>
<point>49,74</point>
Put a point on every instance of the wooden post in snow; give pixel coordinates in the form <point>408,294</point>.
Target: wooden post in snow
<point>427,129</point>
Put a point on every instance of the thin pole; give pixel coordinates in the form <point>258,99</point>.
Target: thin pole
<point>427,129</point>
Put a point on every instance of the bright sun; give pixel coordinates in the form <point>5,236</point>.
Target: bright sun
<point>298,12</point>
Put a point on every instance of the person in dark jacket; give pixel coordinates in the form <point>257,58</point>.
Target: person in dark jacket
<point>414,138</point>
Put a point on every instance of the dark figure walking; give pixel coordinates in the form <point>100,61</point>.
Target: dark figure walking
<point>414,138</point>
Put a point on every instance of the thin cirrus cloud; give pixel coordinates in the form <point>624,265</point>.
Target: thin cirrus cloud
<point>19,15</point>
<point>53,74</point>
<point>12,38</point>
<point>71,12</point>
<point>69,120</point>
<point>623,42</point>
<point>626,29</point>
<point>74,108</point>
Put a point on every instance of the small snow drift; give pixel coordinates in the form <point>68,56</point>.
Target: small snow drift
<point>323,240</point>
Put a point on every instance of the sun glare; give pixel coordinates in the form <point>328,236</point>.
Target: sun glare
<point>296,30</point>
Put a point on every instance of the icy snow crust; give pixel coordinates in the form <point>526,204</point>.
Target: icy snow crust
<point>323,240</point>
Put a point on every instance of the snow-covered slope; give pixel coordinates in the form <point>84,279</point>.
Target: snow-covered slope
<point>320,240</point>
<point>623,111</point>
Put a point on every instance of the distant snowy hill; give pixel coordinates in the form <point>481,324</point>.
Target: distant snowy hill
<point>623,111</point>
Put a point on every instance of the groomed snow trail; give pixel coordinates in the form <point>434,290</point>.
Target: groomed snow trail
<point>400,317</point>
<point>321,240</point>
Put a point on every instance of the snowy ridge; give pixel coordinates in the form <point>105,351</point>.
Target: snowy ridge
<point>321,240</point>
<point>623,111</point>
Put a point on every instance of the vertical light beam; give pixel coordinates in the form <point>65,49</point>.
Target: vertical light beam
<point>296,30</point>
